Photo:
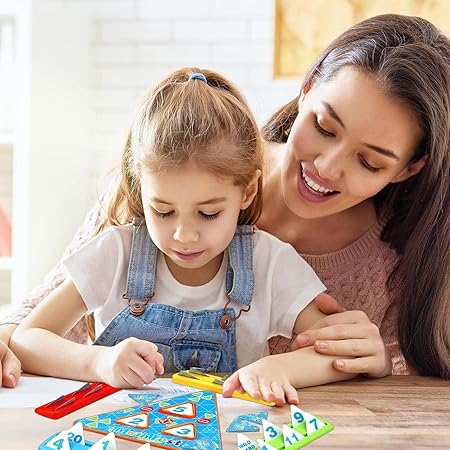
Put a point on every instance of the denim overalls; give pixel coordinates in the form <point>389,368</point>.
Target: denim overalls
<point>205,339</point>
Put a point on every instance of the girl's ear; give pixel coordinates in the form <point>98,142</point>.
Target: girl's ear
<point>250,191</point>
<point>410,170</point>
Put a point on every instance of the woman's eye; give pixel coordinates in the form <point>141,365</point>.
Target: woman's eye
<point>209,216</point>
<point>368,166</point>
<point>163,215</point>
<point>321,130</point>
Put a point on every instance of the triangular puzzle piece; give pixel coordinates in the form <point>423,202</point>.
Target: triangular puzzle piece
<point>239,425</point>
<point>255,418</point>
<point>107,442</point>
<point>76,434</point>
<point>290,436</point>
<point>312,423</point>
<point>265,446</point>
<point>270,430</point>
<point>145,447</point>
<point>206,423</point>
<point>60,441</point>
<point>245,443</point>
<point>297,415</point>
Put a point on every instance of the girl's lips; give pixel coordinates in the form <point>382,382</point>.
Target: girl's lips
<point>187,256</point>
<point>309,194</point>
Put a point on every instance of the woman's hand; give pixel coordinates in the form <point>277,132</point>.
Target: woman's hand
<point>263,379</point>
<point>131,363</point>
<point>348,334</point>
<point>9,366</point>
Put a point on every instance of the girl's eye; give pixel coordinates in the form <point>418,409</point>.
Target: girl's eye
<point>209,216</point>
<point>163,215</point>
<point>368,166</point>
<point>321,130</point>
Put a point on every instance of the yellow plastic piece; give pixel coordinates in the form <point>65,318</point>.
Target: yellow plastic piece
<point>205,381</point>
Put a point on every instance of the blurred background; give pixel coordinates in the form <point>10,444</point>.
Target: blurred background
<point>72,72</point>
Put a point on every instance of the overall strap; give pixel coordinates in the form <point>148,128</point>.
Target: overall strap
<point>240,278</point>
<point>141,269</point>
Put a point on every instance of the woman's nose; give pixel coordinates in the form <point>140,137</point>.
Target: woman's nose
<point>329,165</point>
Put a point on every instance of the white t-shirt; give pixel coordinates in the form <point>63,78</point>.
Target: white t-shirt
<point>284,285</point>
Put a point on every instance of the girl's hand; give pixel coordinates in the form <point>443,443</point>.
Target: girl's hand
<point>349,334</point>
<point>131,363</point>
<point>263,379</point>
<point>9,366</point>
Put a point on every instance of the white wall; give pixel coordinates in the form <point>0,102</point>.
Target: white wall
<point>131,44</point>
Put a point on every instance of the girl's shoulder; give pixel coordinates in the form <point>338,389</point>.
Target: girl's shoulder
<point>269,248</point>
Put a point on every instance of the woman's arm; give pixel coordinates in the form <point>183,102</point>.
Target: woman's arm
<point>39,344</point>
<point>350,335</point>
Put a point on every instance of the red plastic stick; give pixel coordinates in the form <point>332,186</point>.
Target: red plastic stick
<point>87,394</point>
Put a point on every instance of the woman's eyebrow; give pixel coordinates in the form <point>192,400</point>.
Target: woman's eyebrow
<point>333,114</point>
<point>381,150</point>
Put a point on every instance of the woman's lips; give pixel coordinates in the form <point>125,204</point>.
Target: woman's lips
<point>308,193</point>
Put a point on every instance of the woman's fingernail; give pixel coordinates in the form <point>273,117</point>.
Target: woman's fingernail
<point>322,345</point>
<point>303,339</point>
<point>340,364</point>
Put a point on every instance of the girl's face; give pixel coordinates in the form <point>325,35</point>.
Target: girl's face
<point>191,216</point>
<point>347,143</point>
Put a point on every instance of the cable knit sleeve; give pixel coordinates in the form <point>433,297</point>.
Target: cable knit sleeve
<point>388,330</point>
<point>56,276</point>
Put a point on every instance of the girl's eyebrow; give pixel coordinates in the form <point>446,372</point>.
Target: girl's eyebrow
<point>382,151</point>
<point>205,202</point>
<point>212,201</point>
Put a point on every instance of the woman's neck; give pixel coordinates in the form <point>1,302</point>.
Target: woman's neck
<point>309,236</point>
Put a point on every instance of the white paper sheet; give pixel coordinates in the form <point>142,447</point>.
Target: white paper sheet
<point>33,391</point>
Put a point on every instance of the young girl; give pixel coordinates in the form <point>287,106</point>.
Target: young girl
<point>189,283</point>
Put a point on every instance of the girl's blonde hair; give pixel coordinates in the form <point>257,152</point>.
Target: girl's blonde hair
<point>189,120</point>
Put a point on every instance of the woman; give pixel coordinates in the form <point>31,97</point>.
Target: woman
<point>357,180</point>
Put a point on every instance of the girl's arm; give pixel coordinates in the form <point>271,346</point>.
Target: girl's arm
<point>276,377</point>
<point>39,345</point>
<point>37,341</point>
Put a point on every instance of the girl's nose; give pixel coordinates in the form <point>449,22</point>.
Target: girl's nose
<point>185,233</point>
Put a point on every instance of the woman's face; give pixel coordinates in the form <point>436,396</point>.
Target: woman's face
<point>347,143</point>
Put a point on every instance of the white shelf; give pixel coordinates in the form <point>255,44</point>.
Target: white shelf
<point>5,263</point>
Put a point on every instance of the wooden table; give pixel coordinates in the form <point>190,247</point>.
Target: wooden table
<point>394,412</point>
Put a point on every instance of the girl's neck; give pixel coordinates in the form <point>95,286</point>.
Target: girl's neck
<point>195,277</point>
<point>310,236</point>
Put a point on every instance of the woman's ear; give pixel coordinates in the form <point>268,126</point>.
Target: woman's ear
<point>251,190</point>
<point>413,168</point>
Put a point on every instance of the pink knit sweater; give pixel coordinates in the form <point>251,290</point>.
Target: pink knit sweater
<point>356,276</point>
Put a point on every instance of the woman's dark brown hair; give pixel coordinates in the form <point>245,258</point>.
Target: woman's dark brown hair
<point>411,58</point>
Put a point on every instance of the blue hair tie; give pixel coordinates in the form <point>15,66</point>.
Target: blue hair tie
<point>198,76</point>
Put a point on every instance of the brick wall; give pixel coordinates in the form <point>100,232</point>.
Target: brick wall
<point>137,42</point>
